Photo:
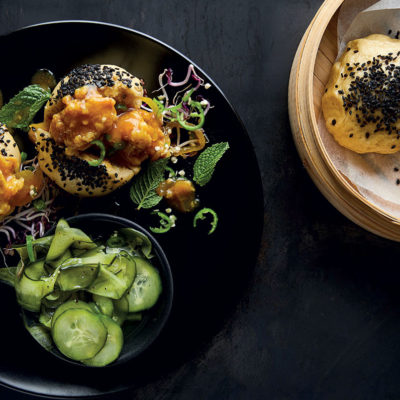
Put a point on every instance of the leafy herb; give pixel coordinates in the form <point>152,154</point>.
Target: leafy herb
<point>165,222</point>
<point>143,190</point>
<point>201,215</point>
<point>205,164</point>
<point>21,109</point>
<point>39,204</point>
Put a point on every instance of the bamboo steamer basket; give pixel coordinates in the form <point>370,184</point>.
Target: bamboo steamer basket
<point>310,71</point>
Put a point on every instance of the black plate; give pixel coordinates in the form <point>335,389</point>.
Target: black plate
<point>210,272</point>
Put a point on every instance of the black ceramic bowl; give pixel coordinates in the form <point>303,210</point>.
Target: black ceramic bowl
<point>138,336</point>
<point>211,272</point>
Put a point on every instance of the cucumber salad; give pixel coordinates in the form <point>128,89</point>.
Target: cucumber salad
<point>80,291</point>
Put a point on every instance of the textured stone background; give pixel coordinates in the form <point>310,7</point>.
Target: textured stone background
<point>320,318</point>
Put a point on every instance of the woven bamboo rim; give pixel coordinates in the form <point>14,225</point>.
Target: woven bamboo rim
<point>313,58</point>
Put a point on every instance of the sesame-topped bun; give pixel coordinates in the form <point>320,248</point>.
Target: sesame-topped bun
<point>361,101</point>
<point>110,81</point>
<point>74,174</point>
<point>8,146</point>
<point>95,135</point>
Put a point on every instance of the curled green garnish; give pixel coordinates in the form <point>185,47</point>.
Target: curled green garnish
<point>23,156</point>
<point>201,215</point>
<point>116,147</point>
<point>165,222</point>
<point>100,145</point>
<point>121,107</point>
<point>29,248</point>
<point>172,173</point>
<point>199,115</point>
<point>39,204</point>
<point>116,241</point>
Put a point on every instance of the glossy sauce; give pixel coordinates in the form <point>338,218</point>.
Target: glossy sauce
<point>180,194</point>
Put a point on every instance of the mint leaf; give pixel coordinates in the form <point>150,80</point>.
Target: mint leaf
<point>205,164</point>
<point>20,110</point>
<point>143,190</point>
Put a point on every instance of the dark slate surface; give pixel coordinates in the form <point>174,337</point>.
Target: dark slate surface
<point>320,317</point>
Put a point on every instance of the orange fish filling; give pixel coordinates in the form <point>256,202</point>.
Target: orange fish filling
<point>143,137</point>
<point>85,117</point>
<point>89,116</point>
<point>10,185</point>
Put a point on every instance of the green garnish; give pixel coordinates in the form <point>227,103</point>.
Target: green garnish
<point>165,222</point>
<point>205,164</point>
<point>121,107</point>
<point>21,109</point>
<point>199,115</point>
<point>143,190</point>
<point>172,173</point>
<point>39,204</point>
<point>116,147</point>
<point>201,215</point>
<point>23,156</point>
<point>29,248</point>
<point>116,241</point>
<point>100,145</point>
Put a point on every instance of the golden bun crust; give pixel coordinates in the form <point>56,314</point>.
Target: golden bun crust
<point>8,146</point>
<point>362,132</point>
<point>74,174</point>
<point>110,80</point>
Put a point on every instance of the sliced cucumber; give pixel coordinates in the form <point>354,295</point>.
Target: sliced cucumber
<point>113,346</point>
<point>55,298</point>
<point>76,277</point>
<point>79,334</point>
<point>114,280</point>
<point>69,305</point>
<point>31,292</point>
<point>35,270</point>
<point>146,287</point>
<point>104,304</point>
<point>57,262</point>
<point>121,308</point>
<point>46,316</point>
<point>8,275</point>
<point>64,237</point>
<point>40,246</point>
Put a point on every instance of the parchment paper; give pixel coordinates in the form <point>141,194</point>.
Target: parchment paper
<point>373,175</point>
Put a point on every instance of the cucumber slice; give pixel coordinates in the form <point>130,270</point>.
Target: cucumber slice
<point>31,292</point>
<point>57,262</point>
<point>8,275</point>
<point>113,346</point>
<point>115,279</point>
<point>104,304</point>
<point>40,246</point>
<point>56,298</point>
<point>69,305</point>
<point>45,317</point>
<point>146,287</point>
<point>64,237</point>
<point>92,252</point>
<point>121,308</point>
<point>137,241</point>
<point>35,270</point>
<point>79,334</point>
<point>76,277</point>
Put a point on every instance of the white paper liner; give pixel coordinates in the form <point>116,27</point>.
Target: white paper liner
<point>373,175</point>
